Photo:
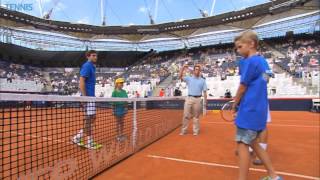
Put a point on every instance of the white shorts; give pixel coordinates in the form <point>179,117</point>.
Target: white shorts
<point>90,108</point>
<point>269,116</point>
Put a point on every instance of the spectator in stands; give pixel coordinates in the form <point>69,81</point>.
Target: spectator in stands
<point>291,67</point>
<point>9,77</point>
<point>309,78</point>
<point>150,93</point>
<point>161,93</point>
<point>177,92</point>
<point>192,107</point>
<point>313,61</point>
<point>2,73</point>
<point>65,89</point>
<point>168,92</point>
<point>137,94</point>
<point>223,76</point>
<point>227,94</point>
<point>55,89</point>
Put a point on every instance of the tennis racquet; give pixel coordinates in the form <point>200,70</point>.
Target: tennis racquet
<point>226,111</point>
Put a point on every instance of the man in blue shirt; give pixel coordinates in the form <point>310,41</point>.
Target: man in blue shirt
<point>252,99</point>
<point>192,107</point>
<point>87,88</point>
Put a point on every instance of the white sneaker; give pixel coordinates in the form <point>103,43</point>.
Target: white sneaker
<point>93,145</point>
<point>195,134</point>
<point>78,141</point>
<point>182,133</point>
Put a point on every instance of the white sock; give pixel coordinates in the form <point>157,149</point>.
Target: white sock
<point>80,134</point>
<point>90,140</point>
<point>264,146</point>
<point>250,149</point>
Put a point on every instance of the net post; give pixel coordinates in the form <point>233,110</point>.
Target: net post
<point>135,126</point>
<point>204,108</point>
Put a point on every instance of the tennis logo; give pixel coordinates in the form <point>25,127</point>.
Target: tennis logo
<point>106,153</point>
<point>18,7</point>
<point>57,172</point>
<point>117,149</point>
<point>99,158</point>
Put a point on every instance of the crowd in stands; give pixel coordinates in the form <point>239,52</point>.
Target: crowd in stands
<point>217,62</point>
<point>12,71</point>
<point>64,81</point>
<point>15,74</point>
<point>155,66</point>
<point>302,55</point>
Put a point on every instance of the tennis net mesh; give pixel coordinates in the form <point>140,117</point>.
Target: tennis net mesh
<point>54,137</point>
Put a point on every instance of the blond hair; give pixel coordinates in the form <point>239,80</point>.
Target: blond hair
<point>247,36</point>
<point>197,65</point>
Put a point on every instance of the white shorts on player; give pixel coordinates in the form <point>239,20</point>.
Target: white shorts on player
<point>90,109</point>
<point>269,115</point>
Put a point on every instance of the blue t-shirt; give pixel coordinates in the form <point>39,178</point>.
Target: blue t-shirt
<point>88,71</point>
<point>253,108</point>
<point>241,64</point>
<point>268,71</point>
<point>265,63</point>
<point>195,85</point>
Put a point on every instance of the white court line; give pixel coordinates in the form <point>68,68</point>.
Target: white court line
<point>33,136</point>
<point>231,166</point>
<point>275,125</point>
<point>309,120</point>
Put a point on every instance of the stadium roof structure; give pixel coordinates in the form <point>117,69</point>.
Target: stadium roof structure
<point>243,19</point>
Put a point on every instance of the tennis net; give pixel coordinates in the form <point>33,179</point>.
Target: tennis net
<point>60,137</point>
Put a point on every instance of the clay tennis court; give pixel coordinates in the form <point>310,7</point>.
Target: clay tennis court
<point>293,147</point>
<point>36,143</point>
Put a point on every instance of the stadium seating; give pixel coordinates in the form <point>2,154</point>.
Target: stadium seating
<point>219,66</point>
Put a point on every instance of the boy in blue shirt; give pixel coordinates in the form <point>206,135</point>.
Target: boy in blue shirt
<point>252,99</point>
<point>263,136</point>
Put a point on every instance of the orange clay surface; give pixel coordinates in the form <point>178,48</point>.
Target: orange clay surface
<point>293,148</point>
<point>34,143</point>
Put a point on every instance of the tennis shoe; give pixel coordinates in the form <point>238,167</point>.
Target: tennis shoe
<point>93,145</point>
<point>269,178</point>
<point>78,141</point>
